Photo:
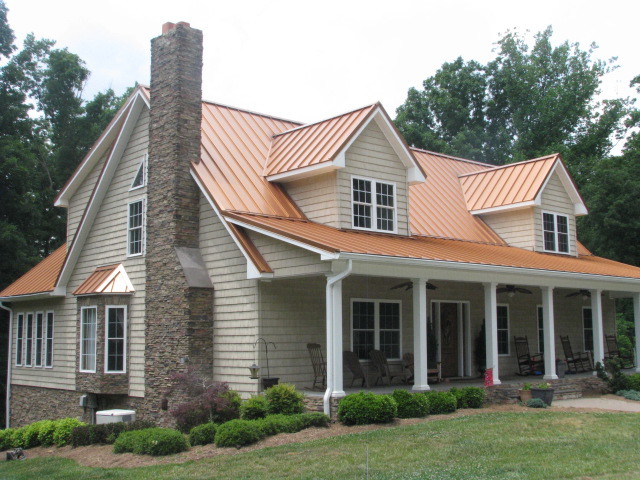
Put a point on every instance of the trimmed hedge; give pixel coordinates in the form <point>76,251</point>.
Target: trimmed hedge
<point>536,403</point>
<point>364,408</point>
<point>237,433</point>
<point>469,397</point>
<point>441,402</point>
<point>254,407</point>
<point>203,434</point>
<point>64,427</point>
<point>43,432</point>
<point>633,382</point>
<point>411,405</point>
<point>284,399</point>
<point>106,433</point>
<point>151,441</point>
<point>6,438</point>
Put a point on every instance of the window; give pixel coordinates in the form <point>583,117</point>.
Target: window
<point>135,228</point>
<point>140,180</point>
<point>116,324</point>
<point>39,338</point>
<point>88,339</point>
<point>48,356</point>
<point>375,324</point>
<point>587,327</point>
<point>540,330</point>
<point>28,347</point>
<point>368,206</point>
<point>19,339</point>
<point>503,330</point>
<point>555,230</point>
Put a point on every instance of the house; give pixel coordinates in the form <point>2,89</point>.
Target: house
<point>196,228</point>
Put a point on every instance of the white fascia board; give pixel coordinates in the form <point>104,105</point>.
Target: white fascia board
<point>34,296</point>
<point>95,153</point>
<point>101,190</point>
<point>125,278</point>
<point>579,208</point>
<point>305,172</point>
<point>252,270</point>
<point>324,254</point>
<point>504,208</point>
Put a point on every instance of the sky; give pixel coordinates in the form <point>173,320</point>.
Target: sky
<point>307,61</point>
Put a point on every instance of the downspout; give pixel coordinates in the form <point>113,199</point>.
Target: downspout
<point>329,317</point>
<point>7,416</point>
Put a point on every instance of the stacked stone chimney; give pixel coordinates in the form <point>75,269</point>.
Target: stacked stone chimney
<point>178,324</point>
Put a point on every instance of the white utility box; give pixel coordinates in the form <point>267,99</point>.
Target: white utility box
<point>116,415</point>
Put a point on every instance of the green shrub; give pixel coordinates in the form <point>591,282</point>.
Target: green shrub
<point>284,399</point>
<point>633,382</point>
<point>47,430</point>
<point>629,394</point>
<point>31,433</point>
<point>315,419</point>
<point>364,408</point>
<point>411,405</point>
<point>106,433</point>
<point>81,436</point>
<point>237,433</point>
<point>203,434</point>
<point>536,403</point>
<point>18,438</point>
<point>63,429</point>
<point>469,397</point>
<point>254,407</point>
<point>6,438</point>
<point>441,402</point>
<point>151,441</point>
<point>279,423</point>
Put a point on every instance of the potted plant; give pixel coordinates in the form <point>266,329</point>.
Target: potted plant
<point>544,392</point>
<point>525,393</point>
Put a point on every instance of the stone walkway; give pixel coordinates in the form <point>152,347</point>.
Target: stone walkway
<point>606,402</point>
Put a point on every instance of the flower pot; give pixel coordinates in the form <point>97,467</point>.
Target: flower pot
<point>544,394</point>
<point>524,395</point>
<point>269,382</point>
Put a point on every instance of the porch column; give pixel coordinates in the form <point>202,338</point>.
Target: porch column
<point>420,382</point>
<point>491,328</point>
<point>548,322</point>
<point>338,386</point>
<point>598,330</point>
<point>636,317</point>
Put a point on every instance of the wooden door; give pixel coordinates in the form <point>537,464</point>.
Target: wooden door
<point>449,339</point>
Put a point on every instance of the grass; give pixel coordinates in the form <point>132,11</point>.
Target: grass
<point>541,445</point>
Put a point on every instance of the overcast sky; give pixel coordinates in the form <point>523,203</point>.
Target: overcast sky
<point>307,60</point>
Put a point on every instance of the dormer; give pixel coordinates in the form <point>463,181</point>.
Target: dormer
<point>351,171</point>
<point>531,204</point>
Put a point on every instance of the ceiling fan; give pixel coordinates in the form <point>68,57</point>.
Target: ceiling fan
<point>585,294</point>
<point>512,290</point>
<point>409,285</point>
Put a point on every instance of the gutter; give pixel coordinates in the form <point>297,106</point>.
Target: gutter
<point>8,411</point>
<point>329,317</point>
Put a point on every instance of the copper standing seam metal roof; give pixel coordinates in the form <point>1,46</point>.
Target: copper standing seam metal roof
<point>106,279</point>
<point>41,278</point>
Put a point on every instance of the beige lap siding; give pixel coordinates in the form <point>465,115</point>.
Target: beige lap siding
<point>555,200</point>
<point>516,228</point>
<point>317,198</point>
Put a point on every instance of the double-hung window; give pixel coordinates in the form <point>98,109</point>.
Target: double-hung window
<point>555,231</point>
<point>48,355</point>
<point>28,347</point>
<point>39,338</point>
<point>115,341</point>
<point>503,330</point>
<point>135,228</point>
<point>20,339</point>
<point>374,205</point>
<point>587,328</point>
<point>88,327</point>
<point>375,325</point>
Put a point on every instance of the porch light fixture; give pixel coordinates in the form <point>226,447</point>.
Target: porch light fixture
<point>254,369</point>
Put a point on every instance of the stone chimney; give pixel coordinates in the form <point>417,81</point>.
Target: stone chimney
<point>178,310</point>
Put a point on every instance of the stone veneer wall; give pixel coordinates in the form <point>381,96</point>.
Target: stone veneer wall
<point>565,388</point>
<point>179,318</point>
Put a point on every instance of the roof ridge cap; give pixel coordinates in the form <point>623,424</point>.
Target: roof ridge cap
<point>252,112</point>
<point>452,157</point>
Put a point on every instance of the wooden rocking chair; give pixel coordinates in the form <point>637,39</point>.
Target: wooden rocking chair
<point>352,362</point>
<point>434,375</point>
<point>576,362</point>
<point>613,351</point>
<point>380,363</point>
<point>527,364</point>
<point>318,363</point>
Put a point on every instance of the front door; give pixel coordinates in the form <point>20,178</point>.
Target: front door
<point>449,339</point>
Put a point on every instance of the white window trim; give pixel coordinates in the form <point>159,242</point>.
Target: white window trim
<point>144,227</point>
<point>508,354</point>
<point>106,339</point>
<point>376,323</point>
<point>374,204</point>
<point>95,340</point>
<point>143,163</point>
<point>28,362</point>
<point>19,362</point>
<point>555,232</point>
<point>38,362</point>
<point>46,337</point>
<point>584,329</point>
<point>538,329</point>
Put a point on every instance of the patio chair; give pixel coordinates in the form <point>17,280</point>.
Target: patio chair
<point>318,363</point>
<point>434,375</point>
<point>576,362</point>
<point>352,362</point>
<point>527,364</point>
<point>383,368</point>
<point>613,351</point>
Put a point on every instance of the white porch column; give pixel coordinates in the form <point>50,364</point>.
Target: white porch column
<point>636,317</point>
<point>548,323</point>
<point>338,387</point>
<point>598,330</point>
<point>420,382</point>
<point>491,328</point>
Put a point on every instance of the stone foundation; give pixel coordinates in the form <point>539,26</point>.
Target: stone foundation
<point>565,388</point>
<point>316,404</point>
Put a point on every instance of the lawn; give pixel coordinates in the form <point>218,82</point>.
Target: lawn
<point>528,445</point>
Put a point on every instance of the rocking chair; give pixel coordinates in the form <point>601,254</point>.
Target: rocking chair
<point>318,363</point>
<point>614,351</point>
<point>380,363</point>
<point>352,362</point>
<point>576,362</point>
<point>434,375</point>
<point>527,364</point>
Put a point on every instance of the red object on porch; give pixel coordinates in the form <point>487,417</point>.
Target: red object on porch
<point>488,377</point>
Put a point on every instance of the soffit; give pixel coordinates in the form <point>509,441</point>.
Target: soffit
<point>41,278</point>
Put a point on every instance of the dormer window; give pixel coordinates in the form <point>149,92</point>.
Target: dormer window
<point>555,231</point>
<point>140,180</point>
<point>373,205</point>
